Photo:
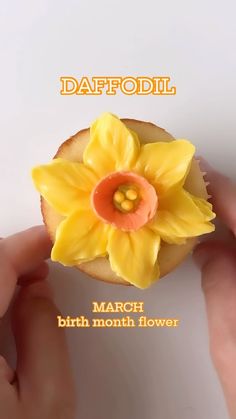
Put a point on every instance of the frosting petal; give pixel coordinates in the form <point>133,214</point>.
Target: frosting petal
<point>180,215</point>
<point>133,255</point>
<point>79,238</point>
<point>65,185</point>
<point>112,146</point>
<point>165,164</point>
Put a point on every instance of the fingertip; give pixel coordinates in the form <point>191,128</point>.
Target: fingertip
<point>206,251</point>
<point>29,300</point>
<point>217,263</point>
<point>38,274</point>
<point>222,191</point>
<point>41,233</point>
<point>24,252</point>
<point>37,289</point>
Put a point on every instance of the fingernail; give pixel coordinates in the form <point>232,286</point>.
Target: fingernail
<point>40,289</point>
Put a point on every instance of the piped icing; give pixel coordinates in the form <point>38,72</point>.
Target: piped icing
<point>123,201</point>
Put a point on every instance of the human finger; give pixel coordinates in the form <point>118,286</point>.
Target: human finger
<point>39,274</point>
<point>6,372</point>
<point>43,366</point>
<point>217,262</point>
<point>223,194</point>
<point>20,254</point>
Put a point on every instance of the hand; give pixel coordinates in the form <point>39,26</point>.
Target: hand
<point>42,385</point>
<point>217,260</point>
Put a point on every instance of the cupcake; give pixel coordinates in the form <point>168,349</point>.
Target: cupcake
<point>123,201</point>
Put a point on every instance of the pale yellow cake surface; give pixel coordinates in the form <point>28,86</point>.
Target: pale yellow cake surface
<point>169,256</point>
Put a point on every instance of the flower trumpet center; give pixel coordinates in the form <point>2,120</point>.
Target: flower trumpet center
<point>124,199</point>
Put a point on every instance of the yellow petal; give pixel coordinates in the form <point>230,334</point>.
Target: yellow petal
<point>111,147</point>
<point>180,216</point>
<point>133,255</point>
<point>204,206</point>
<point>79,238</point>
<point>165,164</point>
<point>65,185</point>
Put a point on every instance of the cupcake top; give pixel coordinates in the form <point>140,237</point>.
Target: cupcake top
<point>123,201</point>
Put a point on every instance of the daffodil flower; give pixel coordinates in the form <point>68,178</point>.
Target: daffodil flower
<point>123,201</point>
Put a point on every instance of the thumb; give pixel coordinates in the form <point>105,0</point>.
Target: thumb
<point>217,262</point>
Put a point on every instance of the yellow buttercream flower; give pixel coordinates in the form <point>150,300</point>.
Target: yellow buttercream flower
<point>122,201</point>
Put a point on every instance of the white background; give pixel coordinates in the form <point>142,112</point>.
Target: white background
<point>151,374</point>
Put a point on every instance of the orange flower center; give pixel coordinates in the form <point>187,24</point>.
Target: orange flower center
<point>124,199</point>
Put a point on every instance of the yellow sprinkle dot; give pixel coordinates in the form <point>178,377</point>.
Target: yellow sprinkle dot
<point>131,194</point>
<point>118,197</point>
<point>127,205</point>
